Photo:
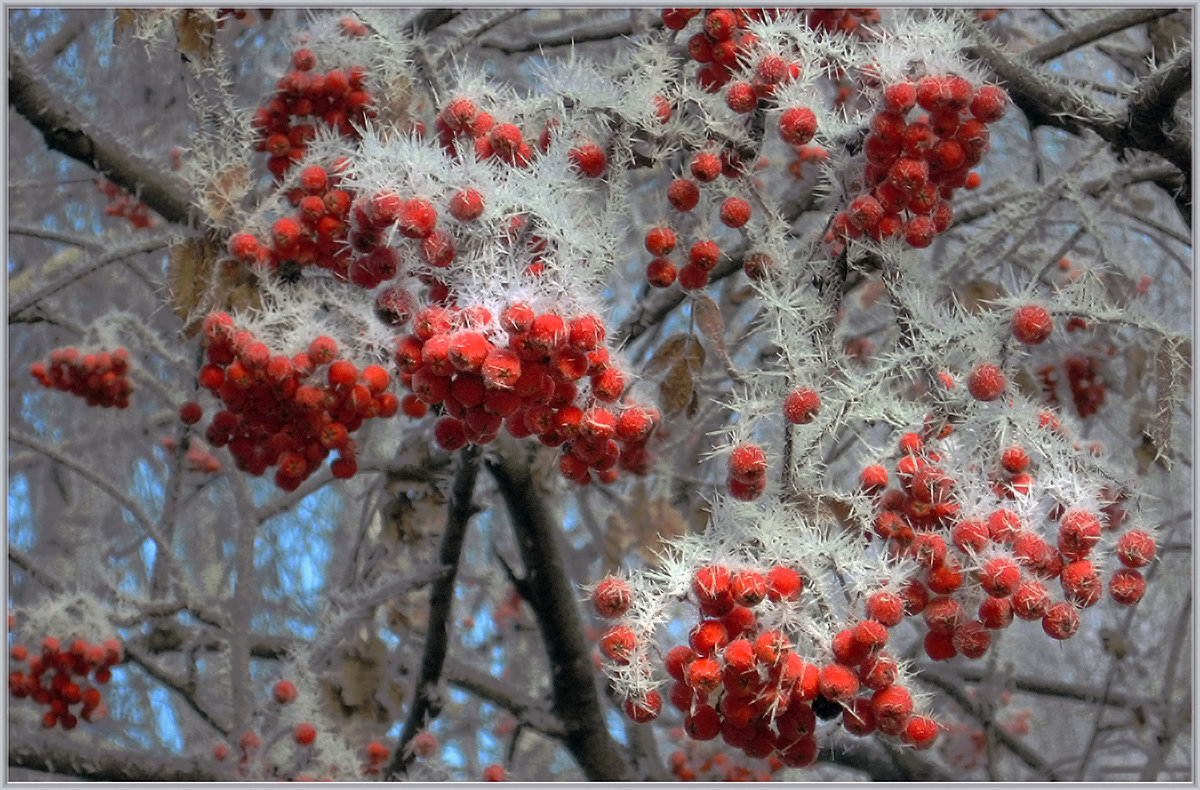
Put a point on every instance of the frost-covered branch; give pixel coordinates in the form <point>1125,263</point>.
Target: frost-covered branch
<point>36,101</point>
<point>426,699</point>
<point>107,765</point>
<point>1094,31</point>
<point>25,301</point>
<point>1047,103</point>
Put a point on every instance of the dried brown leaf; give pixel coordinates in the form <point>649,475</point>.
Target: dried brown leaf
<point>199,282</point>
<point>224,191</point>
<point>665,356</point>
<point>122,21</point>
<point>677,388</point>
<point>663,524</point>
<point>195,31</point>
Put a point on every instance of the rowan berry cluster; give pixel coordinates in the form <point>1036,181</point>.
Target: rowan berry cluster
<point>1084,383</point>
<point>121,204</point>
<point>978,571</point>
<point>751,686</point>
<point>100,378</point>
<point>314,235</point>
<point>337,98</point>
<point>529,380</point>
<point>705,761</point>
<point>914,166</point>
<point>288,412</point>
<point>58,678</point>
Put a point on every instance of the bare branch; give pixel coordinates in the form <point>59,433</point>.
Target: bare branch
<point>557,611</point>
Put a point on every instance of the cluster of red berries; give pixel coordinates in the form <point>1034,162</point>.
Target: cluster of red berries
<point>723,43</point>
<point>748,684</point>
<point>977,573</point>
<point>1087,389</point>
<point>314,235</point>
<point>373,259</point>
<point>337,98</point>
<point>913,167</point>
<point>705,761</point>
<point>121,204</point>
<point>47,679</point>
<point>462,120</point>
<point>843,20</point>
<point>528,384</point>
<point>289,412</point>
<point>99,378</point>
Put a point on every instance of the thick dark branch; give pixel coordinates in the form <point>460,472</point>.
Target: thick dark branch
<point>1151,108</point>
<point>37,102</point>
<point>1094,31</point>
<point>1045,102</point>
<point>426,701</point>
<point>432,19</point>
<point>96,765</point>
<point>557,611</point>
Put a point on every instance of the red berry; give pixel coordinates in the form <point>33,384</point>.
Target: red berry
<point>748,463</point>
<point>589,159</point>
<point>660,241</point>
<point>466,205</point>
<point>920,732</point>
<point>749,588</point>
<point>449,433</point>
<point>797,125</point>
<point>612,597</point>
<point>618,643</point>
<point>1081,583</point>
<point>416,218</point>
<point>784,584</point>
<point>1061,620</point>
<point>740,97</point>
<point>712,584</point>
<point>801,406</point>
<point>1135,549</point>
<point>837,682</point>
<point>496,773</point>
<point>284,692</point>
<point>304,733</point>
<point>735,212</point>
<point>661,273</point>
<point>705,167</point>
<point>986,382</point>
<point>1127,586</point>
<point>644,709</point>
<point>886,608</point>
<point>990,103</point>
<point>683,195</point>
<point>1032,324</point>
<point>999,577</point>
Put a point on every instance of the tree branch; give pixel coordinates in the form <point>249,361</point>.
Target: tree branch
<point>426,703</point>
<point>36,101</point>
<point>556,609</point>
<point>938,677</point>
<point>87,267</point>
<point>1094,31</point>
<point>91,764</point>
<point>1047,103</point>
